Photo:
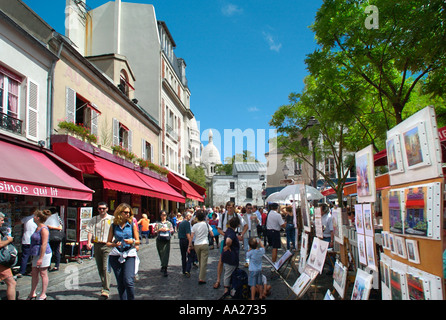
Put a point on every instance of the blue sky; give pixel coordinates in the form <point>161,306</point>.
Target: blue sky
<point>244,57</point>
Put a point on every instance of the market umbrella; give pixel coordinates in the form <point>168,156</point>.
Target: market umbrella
<point>272,197</point>
<point>287,193</point>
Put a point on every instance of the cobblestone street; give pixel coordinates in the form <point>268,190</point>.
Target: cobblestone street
<point>80,281</point>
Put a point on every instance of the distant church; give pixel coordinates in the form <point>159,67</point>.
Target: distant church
<point>245,185</point>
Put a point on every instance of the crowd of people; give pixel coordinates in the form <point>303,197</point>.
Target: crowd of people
<point>41,243</point>
<point>115,240</point>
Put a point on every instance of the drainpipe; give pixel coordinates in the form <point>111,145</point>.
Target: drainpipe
<point>50,100</point>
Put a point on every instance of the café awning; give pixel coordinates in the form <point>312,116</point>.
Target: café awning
<point>185,186</point>
<point>30,171</point>
<point>115,176</point>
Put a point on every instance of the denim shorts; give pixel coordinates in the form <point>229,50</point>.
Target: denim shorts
<point>254,278</point>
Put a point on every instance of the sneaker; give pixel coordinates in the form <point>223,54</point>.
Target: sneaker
<point>187,274</point>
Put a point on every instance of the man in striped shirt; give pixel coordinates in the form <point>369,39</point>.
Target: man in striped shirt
<point>98,228</point>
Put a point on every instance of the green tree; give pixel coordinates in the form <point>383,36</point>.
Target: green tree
<point>407,49</point>
<point>196,175</point>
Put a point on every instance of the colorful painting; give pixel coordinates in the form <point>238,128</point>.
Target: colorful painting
<point>415,220</point>
<point>415,287</point>
<point>362,286</point>
<point>362,175</point>
<point>394,159</point>
<point>395,215</point>
<point>395,285</point>
<point>412,145</point>
<point>359,221</point>
<point>365,175</point>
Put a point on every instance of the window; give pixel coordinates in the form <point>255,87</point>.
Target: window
<point>232,185</point>
<point>124,83</point>
<point>330,167</point>
<point>147,151</point>
<point>81,111</point>
<point>122,135</point>
<point>248,193</point>
<point>9,96</point>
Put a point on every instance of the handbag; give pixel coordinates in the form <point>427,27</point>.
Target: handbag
<point>56,235</point>
<point>164,235</point>
<point>8,255</point>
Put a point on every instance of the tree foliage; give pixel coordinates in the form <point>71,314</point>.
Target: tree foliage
<point>363,81</point>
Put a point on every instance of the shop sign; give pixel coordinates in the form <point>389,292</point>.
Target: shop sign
<point>27,189</point>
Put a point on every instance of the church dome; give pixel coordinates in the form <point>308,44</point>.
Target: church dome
<point>210,153</point>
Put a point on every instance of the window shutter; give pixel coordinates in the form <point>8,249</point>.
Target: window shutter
<point>71,105</point>
<point>143,149</point>
<point>151,153</point>
<point>130,140</point>
<point>94,122</point>
<point>32,111</point>
<point>115,132</point>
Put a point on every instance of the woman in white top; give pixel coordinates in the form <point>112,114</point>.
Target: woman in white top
<point>200,233</point>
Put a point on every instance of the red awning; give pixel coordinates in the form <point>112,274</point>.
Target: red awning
<point>199,189</point>
<point>161,189</point>
<point>115,176</point>
<point>25,171</point>
<point>184,185</point>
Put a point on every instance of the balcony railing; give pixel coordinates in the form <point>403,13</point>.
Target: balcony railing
<point>171,132</point>
<point>10,123</point>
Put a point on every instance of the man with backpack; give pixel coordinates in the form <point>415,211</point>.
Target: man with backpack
<point>223,225</point>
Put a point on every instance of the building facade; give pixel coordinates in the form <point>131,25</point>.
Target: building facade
<point>133,31</point>
<point>245,185</point>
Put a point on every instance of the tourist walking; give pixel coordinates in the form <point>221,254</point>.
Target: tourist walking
<point>144,222</point>
<point>5,271</point>
<point>55,238</point>
<point>231,251</point>
<point>29,226</point>
<point>223,224</point>
<point>274,223</point>
<point>255,255</point>
<point>41,252</point>
<point>200,234</point>
<point>290,229</point>
<point>184,236</point>
<point>164,230</point>
<point>123,258</point>
<point>98,229</point>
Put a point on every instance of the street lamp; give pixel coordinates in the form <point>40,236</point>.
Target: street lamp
<point>313,122</point>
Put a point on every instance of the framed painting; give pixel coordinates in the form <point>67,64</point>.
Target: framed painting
<point>420,148</point>
<point>394,156</point>
<point>340,278</point>
<point>413,255</point>
<point>361,249</point>
<point>359,221</point>
<point>395,211</point>
<point>362,285</point>
<point>416,147</point>
<point>365,175</point>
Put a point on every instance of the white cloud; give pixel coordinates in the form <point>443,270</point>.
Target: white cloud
<point>230,10</point>
<point>253,109</point>
<point>273,45</point>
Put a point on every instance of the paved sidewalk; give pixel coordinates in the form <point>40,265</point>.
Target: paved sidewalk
<point>80,281</point>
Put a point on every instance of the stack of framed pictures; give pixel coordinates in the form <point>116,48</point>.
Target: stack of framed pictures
<point>365,235</point>
<point>402,282</point>
<point>412,264</point>
<point>413,149</point>
<point>313,267</point>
